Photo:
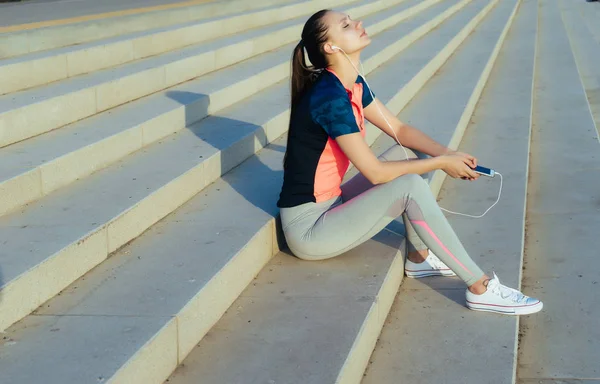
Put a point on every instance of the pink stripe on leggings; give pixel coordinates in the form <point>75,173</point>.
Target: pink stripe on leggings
<point>424,225</point>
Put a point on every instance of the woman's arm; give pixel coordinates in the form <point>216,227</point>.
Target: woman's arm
<point>409,136</point>
<point>378,172</point>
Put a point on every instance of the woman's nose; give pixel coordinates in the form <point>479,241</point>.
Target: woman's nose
<point>359,24</point>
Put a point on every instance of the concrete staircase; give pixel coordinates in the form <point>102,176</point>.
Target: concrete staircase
<point>139,171</point>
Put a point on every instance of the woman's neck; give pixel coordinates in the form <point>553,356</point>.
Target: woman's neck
<point>344,69</point>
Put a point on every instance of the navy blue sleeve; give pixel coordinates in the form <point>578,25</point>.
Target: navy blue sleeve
<point>335,115</point>
<point>366,97</point>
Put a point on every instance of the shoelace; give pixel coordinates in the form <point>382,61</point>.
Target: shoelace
<point>505,292</point>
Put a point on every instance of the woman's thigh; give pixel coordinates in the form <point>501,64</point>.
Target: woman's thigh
<point>353,222</point>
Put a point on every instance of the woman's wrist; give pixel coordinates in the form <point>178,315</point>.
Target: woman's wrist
<point>440,161</point>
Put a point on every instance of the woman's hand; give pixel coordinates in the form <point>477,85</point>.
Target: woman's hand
<point>472,160</point>
<point>459,165</point>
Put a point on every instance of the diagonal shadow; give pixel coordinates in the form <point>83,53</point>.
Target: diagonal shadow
<point>237,141</point>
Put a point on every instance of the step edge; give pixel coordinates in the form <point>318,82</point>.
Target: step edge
<point>384,300</point>
<point>6,208</point>
<point>346,375</point>
<point>111,225</point>
<point>37,33</point>
<point>112,48</point>
<point>155,79</point>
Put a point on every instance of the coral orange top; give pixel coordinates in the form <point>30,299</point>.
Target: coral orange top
<point>315,165</point>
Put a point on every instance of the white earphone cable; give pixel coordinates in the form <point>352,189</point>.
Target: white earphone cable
<point>483,214</point>
<point>404,149</point>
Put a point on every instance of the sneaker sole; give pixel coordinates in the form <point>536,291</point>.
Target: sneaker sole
<point>511,311</point>
<point>420,274</point>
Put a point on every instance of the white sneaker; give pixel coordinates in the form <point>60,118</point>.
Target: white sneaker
<point>432,266</point>
<point>502,299</point>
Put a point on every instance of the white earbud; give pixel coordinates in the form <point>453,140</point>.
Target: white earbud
<point>336,48</point>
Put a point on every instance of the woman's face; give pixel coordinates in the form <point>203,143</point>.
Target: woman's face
<point>345,33</point>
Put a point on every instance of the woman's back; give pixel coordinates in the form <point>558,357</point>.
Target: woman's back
<point>315,165</point>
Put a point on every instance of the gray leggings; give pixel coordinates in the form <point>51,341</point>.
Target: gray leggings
<point>318,231</point>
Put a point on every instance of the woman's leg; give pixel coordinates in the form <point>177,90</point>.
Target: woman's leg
<point>417,250</point>
<point>317,231</point>
<point>351,223</point>
<point>345,223</point>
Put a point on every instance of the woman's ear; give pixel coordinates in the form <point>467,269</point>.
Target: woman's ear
<point>330,48</point>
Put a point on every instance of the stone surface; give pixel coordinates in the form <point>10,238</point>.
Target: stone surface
<point>144,196</point>
<point>590,14</point>
<point>140,282</point>
<point>148,309</point>
<point>79,29</point>
<point>97,210</point>
<point>562,233</point>
<point>298,321</point>
<point>430,336</point>
<point>104,340</point>
<point>241,355</point>
<point>586,53</point>
<point>115,86</point>
<point>109,84</point>
<point>558,381</point>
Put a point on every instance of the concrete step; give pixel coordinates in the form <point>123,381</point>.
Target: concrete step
<point>43,12</point>
<point>280,313</point>
<point>149,310</point>
<point>22,39</point>
<point>32,112</point>
<point>591,14</point>
<point>429,325</point>
<point>154,299</point>
<point>303,322</point>
<point>45,67</point>
<point>586,51</point>
<point>153,184</point>
<point>563,215</point>
<point>38,166</point>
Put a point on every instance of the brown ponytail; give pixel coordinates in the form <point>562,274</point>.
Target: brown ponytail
<point>314,35</point>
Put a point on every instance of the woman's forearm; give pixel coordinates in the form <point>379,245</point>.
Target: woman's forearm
<point>416,139</point>
<point>389,170</point>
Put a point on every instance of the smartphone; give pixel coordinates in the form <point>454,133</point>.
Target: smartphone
<point>484,171</point>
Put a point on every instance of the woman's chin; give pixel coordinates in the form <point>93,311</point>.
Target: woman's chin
<point>364,42</point>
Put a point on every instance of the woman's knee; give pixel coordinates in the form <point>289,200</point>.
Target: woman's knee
<point>411,183</point>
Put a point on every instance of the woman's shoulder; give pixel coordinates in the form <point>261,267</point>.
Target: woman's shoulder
<point>326,90</point>
<point>328,85</point>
